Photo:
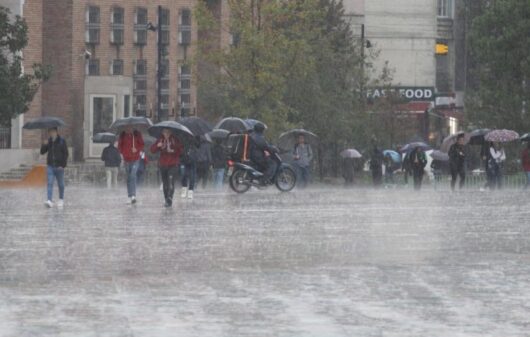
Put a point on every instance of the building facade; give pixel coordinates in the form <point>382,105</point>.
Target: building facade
<point>105,58</point>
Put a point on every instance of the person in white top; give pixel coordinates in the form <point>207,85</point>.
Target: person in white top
<point>498,156</point>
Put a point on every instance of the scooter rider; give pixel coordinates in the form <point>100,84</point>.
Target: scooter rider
<point>260,152</point>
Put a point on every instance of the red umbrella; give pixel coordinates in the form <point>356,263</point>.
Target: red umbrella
<point>502,136</point>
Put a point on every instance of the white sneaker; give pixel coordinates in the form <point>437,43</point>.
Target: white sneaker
<point>190,194</point>
<point>48,204</point>
<point>183,192</point>
<point>133,200</point>
<point>60,203</point>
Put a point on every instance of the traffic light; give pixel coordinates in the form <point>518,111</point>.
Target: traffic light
<point>442,48</point>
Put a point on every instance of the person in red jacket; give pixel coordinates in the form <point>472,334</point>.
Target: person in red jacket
<point>130,144</point>
<point>525,158</point>
<point>170,149</point>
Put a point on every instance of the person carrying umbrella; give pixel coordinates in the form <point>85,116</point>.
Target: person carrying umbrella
<point>130,145</point>
<point>376,166</point>
<point>204,161</point>
<point>457,158</point>
<point>389,164</point>
<point>302,156</point>
<point>112,159</point>
<point>495,163</point>
<point>57,156</point>
<point>189,167</point>
<point>525,159</point>
<point>170,149</point>
<point>219,159</point>
<point>417,162</point>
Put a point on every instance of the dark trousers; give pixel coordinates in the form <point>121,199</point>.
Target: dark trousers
<point>377,177</point>
<point>418,177</point>
<point>455,173</point>
<point>169,176</point>
<point>203,169</point>
<point>303,175</point>
<point>495,177</point>
<point>188,176</point>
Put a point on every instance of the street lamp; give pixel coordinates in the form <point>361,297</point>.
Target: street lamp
<point>160,71</point>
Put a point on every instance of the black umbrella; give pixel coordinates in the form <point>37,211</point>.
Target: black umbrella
<point>219,134</point>
<point>476,137</point>
<point>251,122</point>
<point>233,125</point>
<point>525,137</point>
<point>411,146</point>
<point>176,128</point>
<point>196,125</point>
<point>134,122</point>
<point>288,139</point>
<point>44,123</point>
<point>104,137</point>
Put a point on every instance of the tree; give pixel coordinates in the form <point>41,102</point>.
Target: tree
<point>16,88</point>
<point>500,47</point>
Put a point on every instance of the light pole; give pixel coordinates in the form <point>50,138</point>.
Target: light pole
<point>160,71</point>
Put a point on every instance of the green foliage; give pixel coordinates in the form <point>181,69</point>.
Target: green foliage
<point>16,89</point>
<point>500,48</point>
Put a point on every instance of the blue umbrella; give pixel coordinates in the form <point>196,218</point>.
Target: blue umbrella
<point>396,157</point>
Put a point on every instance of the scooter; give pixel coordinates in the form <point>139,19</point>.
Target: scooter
<point>242,176</point>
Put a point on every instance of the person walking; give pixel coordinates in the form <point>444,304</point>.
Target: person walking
<point>376,166</point>
<point>219,160</point>
<point>418,161</point>
<point>389,169</point>
<point>495,166</point>
<point>525,159</point>
<point>112,159</point>
<point>348,171</point>
<point>142,169</point>
<point>130,145</point>
<point>189,168</point>
<point>457,161</point>
<point>302,156</point>
<point>170,149</point>
<point>204,161</point>
<point>57,156</point>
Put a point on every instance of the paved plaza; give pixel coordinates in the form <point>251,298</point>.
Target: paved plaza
<point>315,263</point>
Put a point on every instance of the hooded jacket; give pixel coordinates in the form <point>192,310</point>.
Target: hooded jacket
<point>127,142</point>
<point>170,151</point>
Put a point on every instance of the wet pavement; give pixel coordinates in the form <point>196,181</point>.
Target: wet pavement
<point>320,263</point>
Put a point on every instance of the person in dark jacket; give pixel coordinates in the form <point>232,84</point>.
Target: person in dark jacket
<point>170,149</point>
<point>389,169</point>
<point>485,156</point>
<point>457,161</point>
<point>417,161</point>
<point>57,156</point>
<point>260,152</point>
<point>376,166</point>
<point>112,159</point>
<point>131,144</point>
<point>204,161</point>
<point>219,160</point>
<point>348,171</point>
<point>189,168</point>
<point>525,160</point>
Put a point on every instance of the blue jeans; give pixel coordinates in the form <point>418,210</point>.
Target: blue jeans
<point>218,177</point>
<point>527,179</point>
<point>304,174</point>
<point>131,168</point>
<point>52,174</point>
<point>189,171</point>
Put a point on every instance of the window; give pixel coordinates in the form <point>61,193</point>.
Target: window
<point>164,84</point>
<point>164,68</point>
<point>5,137</point>
<point>185,71</point>
<point>445,8</point>
<point>126,105</point>
<point>140,26</point>
<point>92,25</point>
<point>92,67</point>
<point>235,39</point>
<point>117,25</point>
<point>164,24</point>
<point>141,68</point>
<point>185,27</point>
<point>185,84</point>
<point>117,67</point>
<point>140,85</point>
<point>141,105</point>
<point>102,114</point>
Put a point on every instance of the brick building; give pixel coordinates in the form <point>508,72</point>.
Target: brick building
<point>104,55</point>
